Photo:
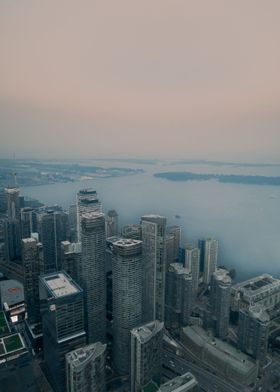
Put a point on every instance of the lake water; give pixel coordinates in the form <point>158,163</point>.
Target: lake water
<point>244,218</point>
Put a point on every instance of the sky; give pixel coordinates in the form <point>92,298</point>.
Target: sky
<point>147,79</point>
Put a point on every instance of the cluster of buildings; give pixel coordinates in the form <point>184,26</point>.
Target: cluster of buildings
<point>98,301</point>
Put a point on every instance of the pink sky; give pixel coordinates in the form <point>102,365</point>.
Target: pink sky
<point>149,78</point>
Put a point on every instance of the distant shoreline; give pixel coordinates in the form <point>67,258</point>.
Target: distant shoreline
<point>224,178</point>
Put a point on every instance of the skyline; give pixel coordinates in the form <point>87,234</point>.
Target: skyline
<point>129,79</point>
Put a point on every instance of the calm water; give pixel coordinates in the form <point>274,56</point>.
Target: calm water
<point>245,218</point>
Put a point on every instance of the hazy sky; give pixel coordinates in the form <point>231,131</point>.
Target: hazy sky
<point>140,78</point>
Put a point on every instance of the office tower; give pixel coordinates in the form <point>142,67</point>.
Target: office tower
<point>13,203</point>
<point>220,301</point>
<point>153,229</point>
<point>93,275</point>
<point>146,355</point>
<point>12,234</point>
<point>85,368</point>
<point>253,330</point>
<point>209,255</point>
<point>87,202</point>
<point>111,223</point>
<point>185,383</point>
<point>179,296</point>
<point>12,238</point>
<point>131,231</point>
<point>72,217</point>
<point>169,250</point>
<point>176,232</point>
<point>192,263</point>
<point>27,222</point>
<point>3,201</point>
<point>32,261</point>
<point>52,226</point>
<point>127,267</point>
<point>71,259</point>
<point>62,310</point>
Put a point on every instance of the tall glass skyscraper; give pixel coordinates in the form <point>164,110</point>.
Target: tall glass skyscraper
<point>93,275</point>
<point>87,201</point>
<point>153,236</point>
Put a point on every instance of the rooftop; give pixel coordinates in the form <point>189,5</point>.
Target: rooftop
<point>257,284</point>
<point>186,380</point>
<point>222,275</point>
<point>126,242</point>
<point>222,350</point>
<point>11,344</point>
<point>12,292</point>
<point>146,331</point>
<point>60,284</point>
<point>83,354</point>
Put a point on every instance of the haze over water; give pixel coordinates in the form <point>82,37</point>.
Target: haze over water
<point>244,218</point>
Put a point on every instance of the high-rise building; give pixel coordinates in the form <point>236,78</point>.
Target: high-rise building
<point>72,217</point>
<point>176,232</point>
<point>253,330</point>
<point>32,261</point>
<point>169,250</point>
<point>87,202</point>
<point>220,301</point>
<point>209,254</point>
<point>27,222</point>
<point>52,226</point>
<point>127,267</point>
<point>153,236</point>
<point>179,296</point>
<point>62,310</point>
<point>192,263</point>
<point>71,259</point>
<point>85,368</point>
<point>93,275</point>
<point>146,355</point>
<point>131,231</point>
<point>111,223</point>
<point>3,201</point>
<point>13,203</point>
<point>185,383</point>
<point>12,235</point>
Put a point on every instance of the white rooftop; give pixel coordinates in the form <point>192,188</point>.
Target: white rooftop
<point>60,285</point>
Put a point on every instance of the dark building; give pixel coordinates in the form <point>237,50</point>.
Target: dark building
<point>62,310</point>
<point>220,296</point>
<point>93,275</point>
<point>179,296</point>
<point>52,226</point>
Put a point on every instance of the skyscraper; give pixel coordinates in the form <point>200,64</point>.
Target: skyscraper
<point>13,203</point>
<point>153,236</point>
<point>112,223</point>
<point>27,222</point>
<point>93,275</point>
<point>179,296</point>
<point>253,329</point>
<point>176,232</point>
<point>127,269</point>
<point>32,260</point>
<point>209,254</point>
<point>62,309</point>
<point>185,383</point>
<point>192,263</point>
<point>85,368</point>
<point>52,226</point>
<point>12,235</point>
<point>87,201</point>
<point>71,259</point>
<point>220,301</point>
<point>146,355</point>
